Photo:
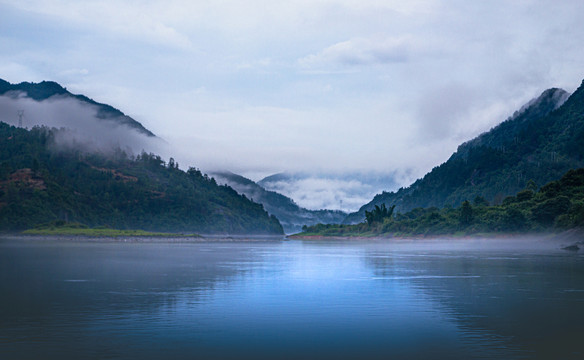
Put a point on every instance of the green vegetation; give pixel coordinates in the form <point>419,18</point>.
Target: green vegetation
<point>540,143</point>
<point>378,214</point>
<point>41,182</point>
<point>558,205</point>
<point>61,228</point>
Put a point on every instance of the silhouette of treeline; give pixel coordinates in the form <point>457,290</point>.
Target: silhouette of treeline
<point>558,205</point>
<point>41,182</point>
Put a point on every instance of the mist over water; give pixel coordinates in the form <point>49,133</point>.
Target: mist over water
<point>459,299</point>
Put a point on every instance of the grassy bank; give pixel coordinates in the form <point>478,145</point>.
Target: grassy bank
<point>76,229</point>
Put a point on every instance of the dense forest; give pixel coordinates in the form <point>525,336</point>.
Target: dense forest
<point>558,205</point>
<point>40,183</point>
<point>538,143</point>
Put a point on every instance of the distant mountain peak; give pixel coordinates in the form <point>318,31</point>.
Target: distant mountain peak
<point>549,100</point>
<point>540,142</point>
<point>290,215</point>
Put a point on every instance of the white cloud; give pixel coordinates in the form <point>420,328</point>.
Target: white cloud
<point>361,51</point>
<point>138,20</point>
<point>88,131</point>
<point>264,86</point>
<point>321,193</point>
<point>347,192</point>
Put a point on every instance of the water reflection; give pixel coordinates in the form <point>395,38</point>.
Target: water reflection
<point>528,299</point>
<point>287,300</point>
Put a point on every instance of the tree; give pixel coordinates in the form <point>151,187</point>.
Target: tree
<point>531,185</point>
<point>378,214</point>
<point>525,195</point>
<point>35,166</point>
<point>514,220</point>
<point>480,201</point>
<point>546,212</point>
<point>466,213</point>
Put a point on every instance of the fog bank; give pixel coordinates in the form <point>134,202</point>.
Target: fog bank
<point>87,131</point>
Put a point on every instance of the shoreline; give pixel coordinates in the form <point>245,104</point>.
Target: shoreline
<point>561,240</point>
<point>159,238</point>
<point>575,234</point>
<point>420,237</point>
<point>572,240</point>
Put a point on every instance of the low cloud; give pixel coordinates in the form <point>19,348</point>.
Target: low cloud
<point>443,108</point>
<point>343,191</point>
<point>320,85</point>
<point>86,132</point>
<point>457,112</point>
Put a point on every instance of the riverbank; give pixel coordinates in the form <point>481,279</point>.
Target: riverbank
<point>561,240</point>
<point>100,232</point>
<point>137,238</point>
<point>569,240</point>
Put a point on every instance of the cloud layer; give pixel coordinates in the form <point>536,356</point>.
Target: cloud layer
<point>261,87</point>
<point>346,192</point>
<point>360,51</point>
<point>88,132</point>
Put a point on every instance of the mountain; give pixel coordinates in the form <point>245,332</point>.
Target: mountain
<point>51,90</point>
<point>558,206</point>
<point>41,182</point>
<point>345,191</point>
<point>502,134</point>
<point>291,216</point>
<point>540,142</point>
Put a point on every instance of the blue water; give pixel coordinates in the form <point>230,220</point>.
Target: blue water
<point>289,300</point>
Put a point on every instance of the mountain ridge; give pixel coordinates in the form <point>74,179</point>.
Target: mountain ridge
<point>550,100</point>
<point>40,184</point>
<point>48,89</point>
<point>345,191</point>
<point>500,162</point>
<point>291,215</point>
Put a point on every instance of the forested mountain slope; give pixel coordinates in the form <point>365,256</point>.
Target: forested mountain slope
<point>540,142</point>
<point>40,183</point>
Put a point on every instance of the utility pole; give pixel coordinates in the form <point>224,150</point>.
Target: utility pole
<point>20,115</point>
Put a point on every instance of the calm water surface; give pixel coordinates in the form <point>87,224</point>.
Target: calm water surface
<point>290,300</point>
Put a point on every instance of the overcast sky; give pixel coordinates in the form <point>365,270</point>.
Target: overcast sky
<point>259,87</point>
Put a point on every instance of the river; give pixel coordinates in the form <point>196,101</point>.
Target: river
<point>279,299</point>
